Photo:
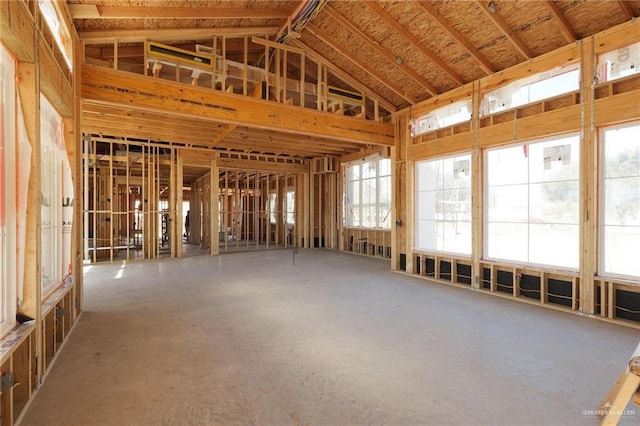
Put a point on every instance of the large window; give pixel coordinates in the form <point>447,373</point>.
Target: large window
<point>532,202</point>
<point>532,89</point>
<point>620,200</point>
<point>55,189</point>
<point>8,295</point>
<point>367,201</point>
<point>444,205</point>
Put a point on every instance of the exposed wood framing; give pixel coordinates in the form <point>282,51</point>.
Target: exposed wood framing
<point>128,36</point>
<point>345,76</point>
<point>118,88</point>
<point>366,68</point>
<point>347,24</point>
<point>450,29</point>
<point>508,32</point>
<point>565,27</point>
<point>91,11</point>
<point>626,9</point>
<point>390,20</point>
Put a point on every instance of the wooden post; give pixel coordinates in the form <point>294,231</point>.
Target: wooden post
<point>302,80</point>
<point>246,65</point>
<point>477,216</point>
<point>214,209</point>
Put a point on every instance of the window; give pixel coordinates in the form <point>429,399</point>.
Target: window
<point>532,202</point>
<point>619,63</point>
<point>53,164</point>
<point>367,201</point>
<point>58,29</point>
<point>271,207</point>
<point>620,200</point>
<point>532,89</point>
<point>443,215</point>
<point>290,208</point>
<point>8,206</point>
<point>455,113</point>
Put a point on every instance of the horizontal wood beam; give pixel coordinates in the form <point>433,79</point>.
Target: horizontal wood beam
<point>275,45</point>
<point>128,36</point>
<point>242,164</point>
<point>105,86</point>
<point>91,11</point>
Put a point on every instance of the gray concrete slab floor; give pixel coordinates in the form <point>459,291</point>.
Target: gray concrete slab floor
<point>251,338</point>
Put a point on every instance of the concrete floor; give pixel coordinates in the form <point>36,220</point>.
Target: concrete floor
<point>249,338</point>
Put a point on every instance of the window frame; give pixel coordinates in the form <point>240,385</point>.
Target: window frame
<point>8,92</point>
<point>485,220</point>
<point>601,252</point>
<point>377,206</point>
<point>459,156</point>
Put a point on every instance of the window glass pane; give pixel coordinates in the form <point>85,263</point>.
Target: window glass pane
<point>444,205</point>
<point>556,245</point>
<point>541,210</point>
<point>456,237</point>
<point>427,205</point>
<point>621,250</point>
<point>508,166</point>
<point>384,187</point>
<point>368,191</point>
<point>555,202</point>
<point>619,63</point>
<point>384,217</point>
<point>508,203</point>
<point>385,167</point>
<point>507,241</point>
<point>620,207</point>
<point>353,172</point>
<point>369,169</point>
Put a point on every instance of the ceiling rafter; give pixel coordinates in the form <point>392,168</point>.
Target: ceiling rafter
<point>366,68</point>
<point>626,9</point>
<point>382,51</point>
<point>345,76</point>
<point>475,53</point>
<point>290,16</point>
<point>565,27</point>
<point>508,32</point>
<point>124,36</point>
<point>391,21</point>
<point>92,11</point>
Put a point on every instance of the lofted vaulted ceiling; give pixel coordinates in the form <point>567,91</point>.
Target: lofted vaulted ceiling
<point>401,52</point>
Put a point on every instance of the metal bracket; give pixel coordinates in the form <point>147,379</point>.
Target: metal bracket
<point>6,381</point>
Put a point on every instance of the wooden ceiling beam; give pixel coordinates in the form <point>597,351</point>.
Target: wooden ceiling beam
<point>391,21</point>
<point>366,68</point>
<point>565,27</point>
<point>90,11</point>
<point>486,66</point>
<point>382,51</point>
<point>345,76</point>
<point>626,9</point>
<point>290,17</point>
<point>119,88</point>
<point>128,36</point>
<point>219,138</point>
<point>508,32</point>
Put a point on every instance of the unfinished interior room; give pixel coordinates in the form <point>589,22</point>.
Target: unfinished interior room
<point>319,212</point>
